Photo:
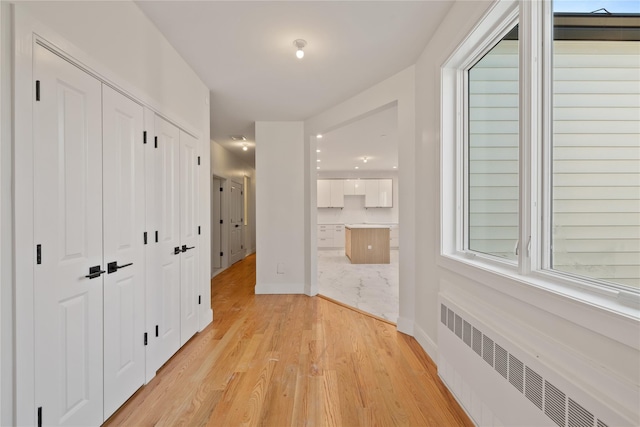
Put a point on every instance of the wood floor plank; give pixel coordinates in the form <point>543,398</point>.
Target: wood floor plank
<point>292,360</point>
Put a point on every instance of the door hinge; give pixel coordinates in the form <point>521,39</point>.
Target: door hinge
<point>144,137</point>
<point>145,338</point>
<point>39,416</point>
<point>156,236</point>
<point>221,222</point>
<point>199,299</point>
<point>221,253</point>
<point>221,189</point>
<point>145,237</point>
<point>198,229</point>
<point>38,254</point>
<point>37,90</point>
<point>157,331</point>
<point>241,193</point>
<point>241,246</point>
<point>198,160</point>
<point>155,142</point>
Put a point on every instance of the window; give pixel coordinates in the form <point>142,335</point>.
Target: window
<point>541,146</point>
<point>492,150</point>
<point>595,142</point>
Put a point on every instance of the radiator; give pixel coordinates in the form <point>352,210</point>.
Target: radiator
<point>500,384</point>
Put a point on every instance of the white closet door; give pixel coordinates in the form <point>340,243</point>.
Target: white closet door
<point>68,227</point>
<point>236,252</point>
<point>123,196</point>
<point>167,290</point>
<point>188,237</point>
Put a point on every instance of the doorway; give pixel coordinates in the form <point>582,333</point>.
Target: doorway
<point>236,222</point>
<point>217,225</point>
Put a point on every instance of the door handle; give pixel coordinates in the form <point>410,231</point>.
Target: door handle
<point>94,272</point>
<point>237,225</point>
<point>112,267</point>
<point>185,248</point>
<point>176,250</point>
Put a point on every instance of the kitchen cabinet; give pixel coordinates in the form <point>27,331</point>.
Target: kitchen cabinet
<point>331,236</point>
<point>378,193</point>
<point>394,236</point>
<point>330,193</point>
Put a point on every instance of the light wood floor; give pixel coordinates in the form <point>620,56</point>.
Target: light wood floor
<point>281,360</point>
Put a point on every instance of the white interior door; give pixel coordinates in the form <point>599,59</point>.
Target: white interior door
<point>166,291</point>
<point>123,201</point>
<point>216,226</point>
<point>188,237</point>
<point>236,251</point>
<point>68,305</point>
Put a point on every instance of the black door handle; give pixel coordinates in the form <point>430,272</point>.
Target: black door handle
<point>112,267</point>
<point>185,248</point>
<point>237,225</point>
<point>176,250</point>
<point>94,272</point>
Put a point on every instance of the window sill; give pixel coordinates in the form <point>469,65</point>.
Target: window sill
<point>602,310</point>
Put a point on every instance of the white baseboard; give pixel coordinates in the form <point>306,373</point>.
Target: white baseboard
<point>279,288</point>
<point>405,325</point>
<point>426,343</point>
<point>208,318</point>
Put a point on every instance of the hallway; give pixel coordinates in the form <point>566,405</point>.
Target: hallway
<point>280,360</point>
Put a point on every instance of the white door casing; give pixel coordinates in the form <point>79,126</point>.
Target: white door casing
<point>216,226</point>
<point>68,225</point>
<point>188,237</point>
<point>123,210</point>
<point>167,290</point>
<point>236,252</point>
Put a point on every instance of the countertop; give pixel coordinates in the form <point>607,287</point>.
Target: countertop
<point>367,226</point>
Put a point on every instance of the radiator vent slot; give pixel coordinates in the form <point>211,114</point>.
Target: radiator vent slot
<point>502,361</point>
<point>459,326</point>
<point>487,349</point>
<point>578,416</point>
<point>477,342</point>
<point>533,389</point>
<point>516,373</point>
<point>561,409</point>
<point>555,404</point>
<point>450,315</point>
<point>466,333</point>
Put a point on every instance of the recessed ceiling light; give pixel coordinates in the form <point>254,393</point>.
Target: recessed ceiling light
<point>318,160</point>
<point>317,151</point>
<point>395,167</point>
<point>357,167</point>
<point>244,146</point>
<point>364,160</point>
<point>319,136</point>
<point>317,167</point>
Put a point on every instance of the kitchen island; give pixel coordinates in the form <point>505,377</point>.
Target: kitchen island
<point>367,243</point>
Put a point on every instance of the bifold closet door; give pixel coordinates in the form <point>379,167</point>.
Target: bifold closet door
<point>124,209</point>
<point>188,237</point>
<point>68,278</point>
<point>165,294</point>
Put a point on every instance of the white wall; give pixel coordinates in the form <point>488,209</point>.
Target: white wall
<point>280,208</point>
<point>118,42</point>
<point>231,167</point>
<point>398,89</point>
<point>354,211</point>
<point>596,349</point>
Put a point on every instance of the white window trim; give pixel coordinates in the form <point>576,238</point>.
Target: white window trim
<point>612,312</point>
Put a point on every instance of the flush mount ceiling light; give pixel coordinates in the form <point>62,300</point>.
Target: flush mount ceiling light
<point>364,159</point>
<point>244,146</point>
<point>238,137</point>
<point>299,44</point>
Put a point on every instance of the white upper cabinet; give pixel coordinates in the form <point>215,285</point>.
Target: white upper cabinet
<point>337,193</point>
<point>330,193</point>
<point>324,193</point>
<point>378,193</point>
<point>354,187</point>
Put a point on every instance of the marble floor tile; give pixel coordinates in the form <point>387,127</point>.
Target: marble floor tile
<point>368,287</point>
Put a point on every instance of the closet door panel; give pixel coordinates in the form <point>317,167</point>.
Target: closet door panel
<point>167,290</point>
<point>123,187</point>
<point>188,236</point>
<point>68,227</point>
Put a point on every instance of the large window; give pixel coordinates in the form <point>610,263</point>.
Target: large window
<point>543,146</point>
<point>595,168</point>
<point>492,150</point>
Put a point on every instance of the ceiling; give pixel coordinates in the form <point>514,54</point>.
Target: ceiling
<point>374,137</point>
<point>243,51</point>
